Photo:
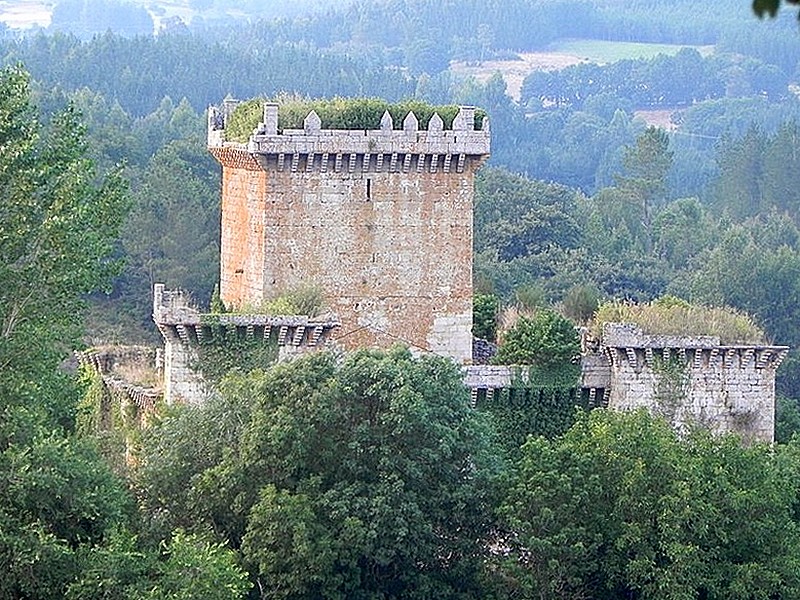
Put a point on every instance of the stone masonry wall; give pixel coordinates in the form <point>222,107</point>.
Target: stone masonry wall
<point>380,220</point>
<point>694,380</point>
<point>184,329</point>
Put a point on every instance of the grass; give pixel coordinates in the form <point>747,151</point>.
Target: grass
<point>337,113</point>
<point>601,51</point>
<point>671,316</point>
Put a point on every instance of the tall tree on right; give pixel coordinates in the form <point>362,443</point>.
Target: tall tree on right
<point>621,506</point>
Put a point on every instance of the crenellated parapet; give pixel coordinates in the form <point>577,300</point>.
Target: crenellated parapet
<point>626,346</point>
<point>179,322</point>
<point>689,380</point>
<point>638,359</point>
<point>185,328</point>
<point>694,379</point>
<point>313,149</point>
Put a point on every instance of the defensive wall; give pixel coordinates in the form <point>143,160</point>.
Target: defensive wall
<point>185,329</point>
<point>689,380</point>
<point>380,220</point>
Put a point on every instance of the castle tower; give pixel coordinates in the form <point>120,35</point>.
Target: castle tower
<point>379,220</point>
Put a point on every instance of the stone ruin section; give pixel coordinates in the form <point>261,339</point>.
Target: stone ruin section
<point>694,380</point>
<point>184,329</point>
<point>380,220</point>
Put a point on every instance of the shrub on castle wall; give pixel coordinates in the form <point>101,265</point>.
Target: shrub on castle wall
<point>672,316</point>
<point>485,309</point>
<point>337,113</point>
<point>547,339</point>
<point>229,349</point>
<point>306,300</point>
<point>545,373</point>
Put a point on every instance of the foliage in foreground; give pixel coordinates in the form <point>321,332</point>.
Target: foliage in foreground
<point>57,227</point>
<point>372,478</point>
<point>621,507</point>
<point>65,518</point>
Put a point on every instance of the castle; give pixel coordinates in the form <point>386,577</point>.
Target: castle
<point>381,221</point>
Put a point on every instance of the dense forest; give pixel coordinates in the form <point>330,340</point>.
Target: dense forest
<point>391,485</point>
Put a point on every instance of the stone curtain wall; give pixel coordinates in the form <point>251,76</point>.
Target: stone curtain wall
<point>381,220</point>
<point>185,329</point>
<point>694,380</point>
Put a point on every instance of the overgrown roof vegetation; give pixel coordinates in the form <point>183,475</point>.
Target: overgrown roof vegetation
<point>337,113</point>
<point>672,316</point>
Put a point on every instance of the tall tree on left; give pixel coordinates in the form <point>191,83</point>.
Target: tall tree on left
<point>58,225</point>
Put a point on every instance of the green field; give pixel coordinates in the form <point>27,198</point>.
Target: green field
<point>599,51</point>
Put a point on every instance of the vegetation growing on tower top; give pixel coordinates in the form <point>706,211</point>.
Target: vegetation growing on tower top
<point>338,113</point>
<point>672,316</point>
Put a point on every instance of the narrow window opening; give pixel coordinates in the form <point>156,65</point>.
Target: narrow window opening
<point>369,190</point>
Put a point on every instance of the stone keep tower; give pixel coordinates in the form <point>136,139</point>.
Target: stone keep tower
<point>380,220</point>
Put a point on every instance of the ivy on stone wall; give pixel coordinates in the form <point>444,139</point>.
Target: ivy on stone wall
<point>109,419</point>
<point>671,385</point>
<point>517,413</point>
<point>232,349</point>
<point>545,375</point>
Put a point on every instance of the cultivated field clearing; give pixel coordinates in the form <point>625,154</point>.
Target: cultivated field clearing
<point>21,14</point>
<point>602,52</point>
<point>561,54</point>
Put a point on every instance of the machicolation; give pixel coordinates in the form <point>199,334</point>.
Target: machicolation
<point>380,221</point>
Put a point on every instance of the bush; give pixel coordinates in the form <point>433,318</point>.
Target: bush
<point>546,340</point>
<point>485,308</point>
<point>673,316</point>
<point>581,302</point>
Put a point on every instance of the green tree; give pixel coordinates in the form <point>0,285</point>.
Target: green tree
<point>179,449</point>
<point>57,233</point>
<point>65,519</point>
<point>787,419</point>
<point>647,164</point>
<point>621,507</point>
<point>547,339</point>
<point>763,8</point>
<point>58,223</point>
<point>368,478</point>
<point>172,233</point>
<point>738,188</point>
<point>188,567</point>
<point>485,309</point>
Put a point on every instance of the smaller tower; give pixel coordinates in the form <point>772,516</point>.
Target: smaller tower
<point>694,379</point>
